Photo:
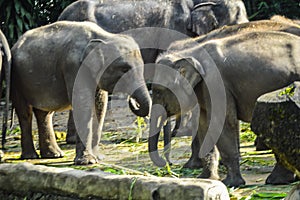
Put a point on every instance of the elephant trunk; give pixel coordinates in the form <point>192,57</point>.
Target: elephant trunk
<point>140,102</point>
<point>157,119</point>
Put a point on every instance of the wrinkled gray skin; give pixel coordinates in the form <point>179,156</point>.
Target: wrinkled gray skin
<point>263,25</point>
<point>186,16</point>
<point>46,61</point>
<point>5,70</point>
<point>217,14</point>
<point>251,64</point>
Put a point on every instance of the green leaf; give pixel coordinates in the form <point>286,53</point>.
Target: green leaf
<point>17,7</point>
<point>19,23</point>
<point>270,195</point>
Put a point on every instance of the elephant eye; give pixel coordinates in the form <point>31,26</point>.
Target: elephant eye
<point>125,68</point>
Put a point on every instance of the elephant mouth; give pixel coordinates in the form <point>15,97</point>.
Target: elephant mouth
<point>140,102</point>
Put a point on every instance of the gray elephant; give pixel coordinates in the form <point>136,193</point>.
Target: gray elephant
<point>62,65</point>
<point>185,16</point>
<point>5,69</point>
<point>227,75</point>
<point>263,25</point>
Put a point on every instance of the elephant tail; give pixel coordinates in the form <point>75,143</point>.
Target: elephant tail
<point>5,75</point>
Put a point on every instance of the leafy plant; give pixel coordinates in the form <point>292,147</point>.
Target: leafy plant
<point>264,9</point>
<point>18,16</point>
<point>141,126</point>
<point>246,134</point>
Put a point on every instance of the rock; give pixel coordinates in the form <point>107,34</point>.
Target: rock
<point>276,120</point>
<point>78,184</point>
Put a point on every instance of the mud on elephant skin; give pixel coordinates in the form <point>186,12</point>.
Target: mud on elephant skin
<point>5,70</point>
<point>50,61</point>
<point>238,59</point>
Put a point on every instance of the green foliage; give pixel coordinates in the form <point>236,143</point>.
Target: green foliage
<point>246,134</point>
<point>264,196</point>
<point>264,9</point>
<point>141,126</point>
<point>289,91</point>
<point>18,16</point>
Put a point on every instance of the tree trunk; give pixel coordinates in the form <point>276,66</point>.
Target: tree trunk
<point>276,120</point>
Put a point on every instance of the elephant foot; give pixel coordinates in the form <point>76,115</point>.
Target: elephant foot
<point>88,159</point>
<point>29,155</point>
<point>281,176</point>
<point>193,163</point>
<point>52,153</point>
<point>234,181</point>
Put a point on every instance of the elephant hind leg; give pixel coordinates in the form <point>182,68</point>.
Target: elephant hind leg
<point>24,113</point>
<point>228,145</point>
<point>47,140</point>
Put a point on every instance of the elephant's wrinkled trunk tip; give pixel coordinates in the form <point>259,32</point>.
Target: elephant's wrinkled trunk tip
<point>140,102</point>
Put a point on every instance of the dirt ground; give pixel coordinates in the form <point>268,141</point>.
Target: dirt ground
<point>124,155</point>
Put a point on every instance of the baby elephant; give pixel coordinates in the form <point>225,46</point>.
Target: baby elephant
<point>61,66</point>
<point>226,75</point>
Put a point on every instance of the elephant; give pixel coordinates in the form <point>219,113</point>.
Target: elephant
<point>60,66</point>
<point>185,16</point>
<point>220,71</point>
<point>261,25</point>
<point>5,60</point>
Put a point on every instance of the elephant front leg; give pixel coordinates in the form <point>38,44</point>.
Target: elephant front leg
<point>194,162</point>
<point>89,123</point>
<point>48,145</point>
<point>209,161</point>
<point>167,140</point>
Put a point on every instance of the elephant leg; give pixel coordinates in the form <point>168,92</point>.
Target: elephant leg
<point>280,175</point>
<point>194,162</point>
<point>90,123</point>
<point>48,145</point>
<point>71,132</point>
<point>24,112</point>
<point>101,100</point>
<point>229,149</point>
<point>177,125</point>
<point>167,140</point>
<point>209,161</point>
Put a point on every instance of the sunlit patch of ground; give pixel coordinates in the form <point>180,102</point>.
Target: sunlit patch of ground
<point>124,155</point>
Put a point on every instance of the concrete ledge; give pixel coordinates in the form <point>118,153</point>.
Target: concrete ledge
<point>24,177</point>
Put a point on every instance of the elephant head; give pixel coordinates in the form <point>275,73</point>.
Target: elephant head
<point>172,94</point>
<point>209,15</point>
<point>123,71</point>
<point>5,52</point>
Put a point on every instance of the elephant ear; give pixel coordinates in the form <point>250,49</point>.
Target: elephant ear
<point>203,18</point>
<point>191,69</point>
<point>90,46</point>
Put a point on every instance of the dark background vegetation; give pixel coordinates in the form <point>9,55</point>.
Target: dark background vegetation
<point>17,16</point>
